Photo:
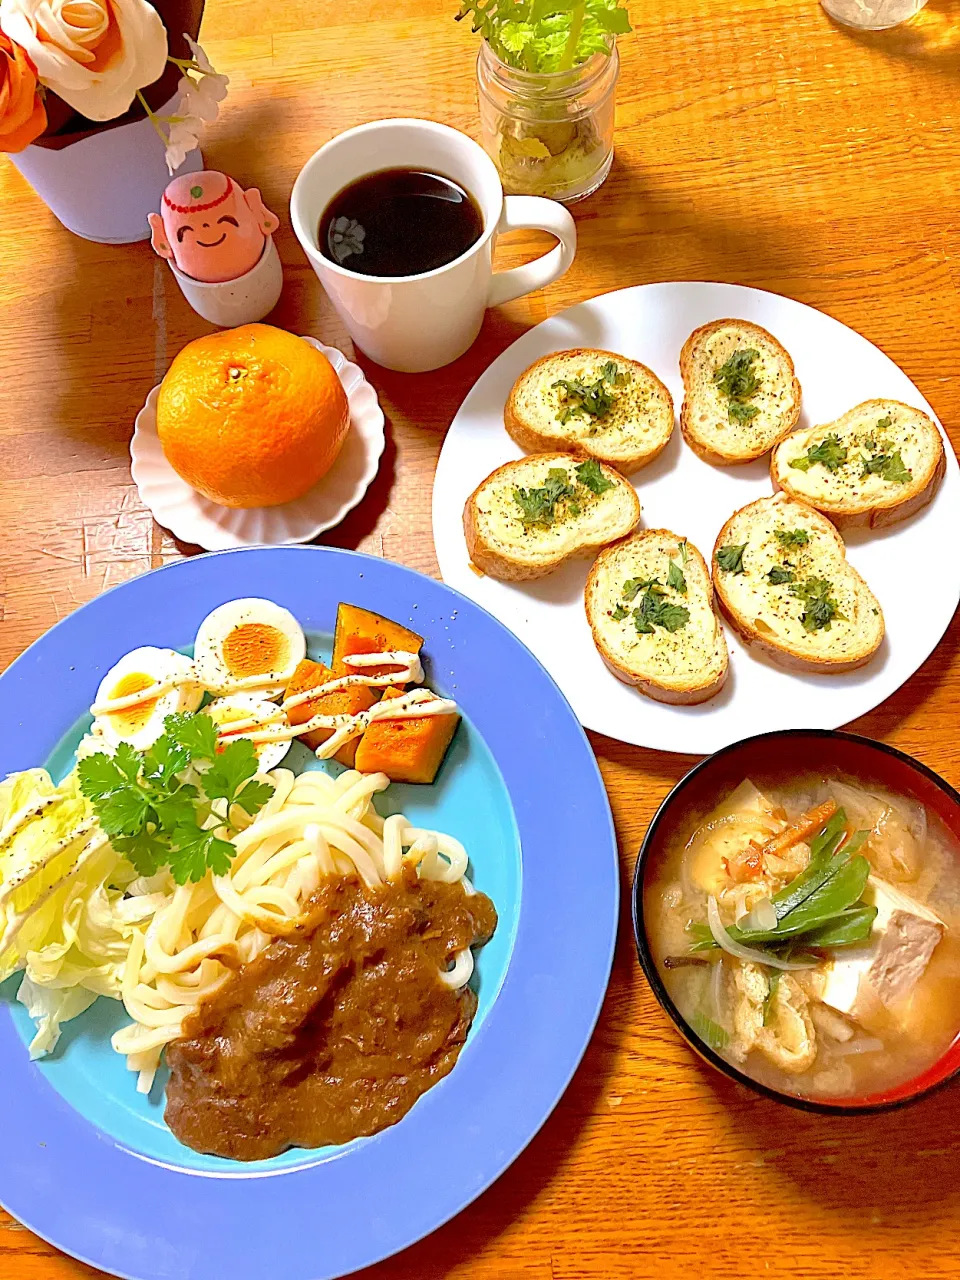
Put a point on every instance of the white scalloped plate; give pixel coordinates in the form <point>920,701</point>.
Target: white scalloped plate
<point>193,518</point>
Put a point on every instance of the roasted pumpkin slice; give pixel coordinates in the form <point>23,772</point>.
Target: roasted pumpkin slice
<point>308,675</point>
<point>406,750</point>
<point>360,631</point>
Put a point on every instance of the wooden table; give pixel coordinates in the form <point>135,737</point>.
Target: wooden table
<point>756,143</point>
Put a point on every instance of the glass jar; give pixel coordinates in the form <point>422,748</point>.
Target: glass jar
<point>549,134</point>
<point>872,15</point>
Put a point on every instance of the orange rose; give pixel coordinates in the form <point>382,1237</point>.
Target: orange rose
<point>22,113</point>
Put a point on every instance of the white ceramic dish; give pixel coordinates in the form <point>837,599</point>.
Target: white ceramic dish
<point>837,368</point>
<point>193,518</point>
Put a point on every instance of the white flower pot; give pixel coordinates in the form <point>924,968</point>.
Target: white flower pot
<point>241,301</point>
<point>103,186</point>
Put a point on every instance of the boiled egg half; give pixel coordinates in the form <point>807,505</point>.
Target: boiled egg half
<point>256,712</point>
<point>147,685</point>
<point>249,646</point>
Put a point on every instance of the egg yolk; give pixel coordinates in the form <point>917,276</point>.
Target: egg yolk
<point>134,718</point>
<point>253,649</point>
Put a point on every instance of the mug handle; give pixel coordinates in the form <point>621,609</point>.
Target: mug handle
<point>539,214</point>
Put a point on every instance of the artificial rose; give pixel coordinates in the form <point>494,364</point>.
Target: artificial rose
<point>22,114</point>
<point>95,54</point>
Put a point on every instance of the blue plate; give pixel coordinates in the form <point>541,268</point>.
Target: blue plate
<point>88,1163</point>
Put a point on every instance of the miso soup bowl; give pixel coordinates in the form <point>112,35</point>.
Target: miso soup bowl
<point>787,751</point>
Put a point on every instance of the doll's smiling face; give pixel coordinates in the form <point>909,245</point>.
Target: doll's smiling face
<point>212,229</point>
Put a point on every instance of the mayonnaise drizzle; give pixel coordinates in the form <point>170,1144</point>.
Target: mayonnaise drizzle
<point>156,690</point>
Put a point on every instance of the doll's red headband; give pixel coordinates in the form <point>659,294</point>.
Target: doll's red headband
<point>198,208</point>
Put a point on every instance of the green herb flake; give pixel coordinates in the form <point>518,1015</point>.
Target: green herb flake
<point>819,607</point>
<point>539,506</point>
<point>779,574</point>
<point>542,36</point>
<point>579,399</point>
<point>619,613</point>
<point>590,474</point>
<point>656,611</point>
<point>735,377</point>
<point>675,578</point>
<point>683,552</point>
<point>792,537</point>
<point>829,453</point>
<point>888,466</point>
<point>730,558</point>
<point>633,586</point>
<point>737,411</point>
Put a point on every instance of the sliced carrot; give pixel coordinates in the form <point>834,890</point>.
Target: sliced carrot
<point>746,865</point>
<point>806,825</point>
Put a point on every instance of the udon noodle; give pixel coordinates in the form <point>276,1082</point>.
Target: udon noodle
<point>185,940</point>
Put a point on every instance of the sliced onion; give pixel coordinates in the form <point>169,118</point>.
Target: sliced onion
<point>761,917</point>
<point>726,943</point>
<point>852,1047</point>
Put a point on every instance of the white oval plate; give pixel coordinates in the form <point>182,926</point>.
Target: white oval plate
<point>193,518</point>
<point>912,567</point>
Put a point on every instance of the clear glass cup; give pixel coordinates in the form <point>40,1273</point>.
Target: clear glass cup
<point>872,15</point>
<point>549,134</point>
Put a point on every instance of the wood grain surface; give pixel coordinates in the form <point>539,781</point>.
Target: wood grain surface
<point>757,143</point>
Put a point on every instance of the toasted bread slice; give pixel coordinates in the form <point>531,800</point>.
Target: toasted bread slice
<point>876,465</point>
<point>545,413</point>
<point>518,528</point>
<point>733,419</point>
<point>782,578</point>
<point>685,665</point>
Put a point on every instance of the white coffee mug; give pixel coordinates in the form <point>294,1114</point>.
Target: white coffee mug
<point>419,322</point>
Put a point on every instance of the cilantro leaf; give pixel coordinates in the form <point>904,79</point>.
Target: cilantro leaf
<point>252,796</point>
<point>178,807</point>
<point>819,607</point>
<point>164,760</point>
<point>619,613</point>
<point>590,474</point>
<point>123,812</point>
<point>792,537</point>
<point>546,35</point>
<point>829,453</point>
<point>194,733</point>
<point>127,760</point>
<point>780,574</point>
<point>730,558</point>
<point>99,775</point>
<point>735,378</point>
<point>235,765</point>
<point>539,506</point>
<point>676,579</point>
<point>146,850</point>
<point>888,466</point>
<point>194,851</point>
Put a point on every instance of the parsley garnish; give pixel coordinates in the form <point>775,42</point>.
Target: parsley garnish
<point>735,378</point>
<point>792,537</point>
<point>737,411</point>
<point>730,558</point>
<point>656,611</point>
<point>830,453</point>
<point>154,804</point>
<point>539,506</point>
<point>777,575</point>
<point>633,586</point>
<point>619,613</point>
<point>589,473</point>
<point>888,466</point>
<point>676,579</point>
<point>684,553</point>
<point>885,423</point>
<point>820,608</point>
<point>738,382</point>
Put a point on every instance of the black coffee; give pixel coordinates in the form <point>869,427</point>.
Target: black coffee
<point>399,222</point>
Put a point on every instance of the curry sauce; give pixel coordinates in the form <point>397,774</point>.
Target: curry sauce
<point>335,1031</point>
